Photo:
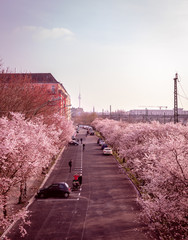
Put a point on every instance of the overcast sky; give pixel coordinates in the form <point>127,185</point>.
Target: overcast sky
<point>122,53</point>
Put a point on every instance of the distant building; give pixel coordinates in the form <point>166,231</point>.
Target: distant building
<point>76,112</point>
<point>147,115</point>
<point>158,112</point>
<point>57,93</point>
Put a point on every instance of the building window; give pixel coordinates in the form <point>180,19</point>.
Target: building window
<point>53,89</point>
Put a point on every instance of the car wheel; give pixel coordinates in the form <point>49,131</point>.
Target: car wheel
<point>66,195</point>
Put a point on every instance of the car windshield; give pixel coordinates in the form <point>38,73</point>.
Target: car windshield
<point>62,186</point>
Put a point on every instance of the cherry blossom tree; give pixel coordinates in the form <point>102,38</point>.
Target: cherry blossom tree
<point>62,125</point>
<point>27,146</point>
<point>157,155</point>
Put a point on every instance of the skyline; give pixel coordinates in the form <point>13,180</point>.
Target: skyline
<point>120,53</point>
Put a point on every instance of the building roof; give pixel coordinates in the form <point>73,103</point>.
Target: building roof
<point>34,78</point>
<point>43,78</point>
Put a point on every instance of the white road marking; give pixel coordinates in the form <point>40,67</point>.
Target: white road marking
<point>81,158</point>
<point>58,200</point>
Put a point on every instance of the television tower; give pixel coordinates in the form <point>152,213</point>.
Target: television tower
<point>79,98</point>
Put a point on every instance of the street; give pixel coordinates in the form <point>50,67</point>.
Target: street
<point>104,208</point>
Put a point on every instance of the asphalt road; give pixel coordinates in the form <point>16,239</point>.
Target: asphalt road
<point>105,207</point>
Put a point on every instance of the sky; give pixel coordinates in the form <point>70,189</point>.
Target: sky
<point>118,53</point>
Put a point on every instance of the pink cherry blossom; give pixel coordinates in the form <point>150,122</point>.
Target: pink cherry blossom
<point>156,155</point>
<point>26,147</point>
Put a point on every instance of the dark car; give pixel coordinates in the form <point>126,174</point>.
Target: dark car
<point>60,189</point>
<point>104,146</point>
<point>73,142</point>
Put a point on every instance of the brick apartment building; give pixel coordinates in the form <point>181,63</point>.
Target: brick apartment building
<point>57,93</point>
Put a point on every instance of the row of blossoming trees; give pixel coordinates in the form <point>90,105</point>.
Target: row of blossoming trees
<point>26,147</point>
<point>156,156</point>
<point>29,141</point>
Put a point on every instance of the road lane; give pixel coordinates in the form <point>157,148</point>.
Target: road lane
<point>104,208</point>
<point>112,207</point>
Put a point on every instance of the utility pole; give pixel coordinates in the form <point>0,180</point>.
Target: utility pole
<point>175,99</point>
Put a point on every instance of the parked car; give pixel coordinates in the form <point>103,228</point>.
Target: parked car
<point>74,137</point>
<point>101,142</point>
<point>73,142</point>
<point>60,189</point>
<point>107,151</point>
<point>104,146</point>
<point>91,132</point>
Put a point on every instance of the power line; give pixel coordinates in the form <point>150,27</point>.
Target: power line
<point>183,96</point>
<point>183,91</point>
<point>180,101</point>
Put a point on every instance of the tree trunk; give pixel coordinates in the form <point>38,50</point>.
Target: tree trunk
<point>25,189</point>
<point>4,207</point>
<point>21,194</point>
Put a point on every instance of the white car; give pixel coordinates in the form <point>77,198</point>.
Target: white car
<point>107,151</point>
